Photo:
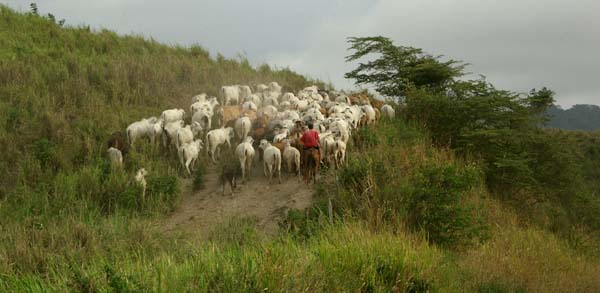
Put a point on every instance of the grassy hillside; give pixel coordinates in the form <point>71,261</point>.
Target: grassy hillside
<point>64,90</point>
<point>407,216</point>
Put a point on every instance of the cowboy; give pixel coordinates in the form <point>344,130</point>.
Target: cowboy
<point>310,138</point>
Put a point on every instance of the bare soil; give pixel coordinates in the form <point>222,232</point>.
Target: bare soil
<point>203,210</point>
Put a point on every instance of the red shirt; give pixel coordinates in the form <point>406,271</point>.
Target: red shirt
<point>310,138</point>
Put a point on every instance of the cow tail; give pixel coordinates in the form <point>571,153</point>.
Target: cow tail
<point>244,134</point>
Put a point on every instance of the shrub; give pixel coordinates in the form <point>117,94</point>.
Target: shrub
<point>436,205</point>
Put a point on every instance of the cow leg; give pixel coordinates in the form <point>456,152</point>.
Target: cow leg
<point>270,173</point>
<point>265,168</point>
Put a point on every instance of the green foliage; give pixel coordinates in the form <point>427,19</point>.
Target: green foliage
<point>399,68</point>
<point>397,182</point>
<point>540,101</point>
<point>34,8</point>
<point>436,205</point>
<point>529,167</point>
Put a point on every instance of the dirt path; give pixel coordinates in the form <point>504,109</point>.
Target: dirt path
<point>201,211</point>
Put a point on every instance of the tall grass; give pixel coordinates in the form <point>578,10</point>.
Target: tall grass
<point>366,261</point>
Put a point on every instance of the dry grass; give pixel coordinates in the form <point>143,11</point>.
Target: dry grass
<point>527,258</point>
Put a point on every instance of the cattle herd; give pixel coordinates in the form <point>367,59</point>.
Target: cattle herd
<point>265,123</point>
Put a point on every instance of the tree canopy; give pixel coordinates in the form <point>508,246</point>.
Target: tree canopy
<point>398,67</point>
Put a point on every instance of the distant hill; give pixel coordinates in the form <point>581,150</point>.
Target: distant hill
<point>579,117</point>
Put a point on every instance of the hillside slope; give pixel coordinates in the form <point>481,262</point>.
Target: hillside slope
<point>64,90</point>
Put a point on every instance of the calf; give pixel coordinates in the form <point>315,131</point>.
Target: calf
<point>140,177</point>
<point>115,157</point>
<point>228,175</point>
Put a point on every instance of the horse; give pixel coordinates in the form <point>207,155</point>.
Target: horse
<point>311,160</point>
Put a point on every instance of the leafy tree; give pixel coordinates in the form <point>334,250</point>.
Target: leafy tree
<point>398,67</point>
<point>539,102</point>
<point>470,116</point>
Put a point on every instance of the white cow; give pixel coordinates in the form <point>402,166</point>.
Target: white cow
<point>200,98</point>
<point>244,91</point>
<point>328,148</point>
<point>370,113</point>
<point>201,106</point>
<point>115,157</point>
<point>157,130</point>
<point>339,154</point>
<point>245,153</point>
<point>187,134</point>
<point>388,111</point>
<point>341,127</point>
<point>230,94</point>
<point>283,134</point>
<point>142,128</point>
<point>270,98</point>
<point>291,155</point>
<point>242,127</point>
<point>274,87</point>
<point>249,105</point>
<point>287,96</point>
<point>204,118</point>
<point>311,89</point>
<point>172,115</point>
<point>271,160</point>
<point>261,88</point>
<point>269,111</point>
<point>253,98</point>
<point>216,138</point>
<point>189,154</point>
<point>170,132</point>
<point>342,99</point>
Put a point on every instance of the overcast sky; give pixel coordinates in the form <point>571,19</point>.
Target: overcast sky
<point>516,44</point>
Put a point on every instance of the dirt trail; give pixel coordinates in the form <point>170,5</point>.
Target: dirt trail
<point>201,211</point>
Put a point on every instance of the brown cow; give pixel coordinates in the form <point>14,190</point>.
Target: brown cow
<point>312,157</point>
<point>117,140</point>
<point>229,175</point>
<point>229,114</point>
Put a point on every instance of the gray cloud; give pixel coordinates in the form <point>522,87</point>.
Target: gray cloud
<point>517,45</point>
